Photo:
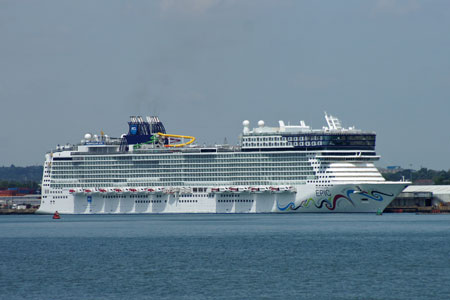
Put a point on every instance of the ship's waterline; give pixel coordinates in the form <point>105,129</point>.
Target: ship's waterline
<point>273,170</point>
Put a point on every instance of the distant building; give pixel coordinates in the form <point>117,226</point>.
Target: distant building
<point>16,192</point>
<point>33,200</point>
<point>415,196</point>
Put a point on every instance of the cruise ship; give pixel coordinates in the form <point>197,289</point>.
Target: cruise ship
<point>282,169</point>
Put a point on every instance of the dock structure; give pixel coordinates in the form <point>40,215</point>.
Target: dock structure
<point>422,199</point>
<point>25,204</point>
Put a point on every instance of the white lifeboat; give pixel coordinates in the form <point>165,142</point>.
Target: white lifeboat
<point>223,189</point>
<point>142,190</point>
<point>244,189</point>
<point>287,189</point>
<point>264,189</point>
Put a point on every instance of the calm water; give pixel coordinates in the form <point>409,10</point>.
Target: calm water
<point>340,256</point>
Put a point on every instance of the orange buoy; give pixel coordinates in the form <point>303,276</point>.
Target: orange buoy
<point>56,215</point>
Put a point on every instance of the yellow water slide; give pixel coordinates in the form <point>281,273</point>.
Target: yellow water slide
<point>192,139</point>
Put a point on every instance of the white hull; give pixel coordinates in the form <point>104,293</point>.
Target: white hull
<point>342,198</point>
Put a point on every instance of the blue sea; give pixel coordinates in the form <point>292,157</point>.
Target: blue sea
<point>269,256</point>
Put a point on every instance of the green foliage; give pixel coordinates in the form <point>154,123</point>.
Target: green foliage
<point>20,177</point>
<point>438,177</point>
<point>4,184</point>
<point>21,174</point>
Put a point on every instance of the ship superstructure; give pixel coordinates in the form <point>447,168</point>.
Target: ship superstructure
<point>289,168</point>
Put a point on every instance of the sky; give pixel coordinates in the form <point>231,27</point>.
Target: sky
<point>204,66</point>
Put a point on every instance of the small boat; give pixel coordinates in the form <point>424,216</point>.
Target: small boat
<point>254,189</point>
<point>244,189</point>
<point>264,189</point>
<point>233,189</point>
<point>223,189</point>
<point>56,215</point>
<point>142,190</point>
<point>275,189</point>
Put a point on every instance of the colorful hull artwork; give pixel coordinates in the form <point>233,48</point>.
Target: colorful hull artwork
<point>331,202</point>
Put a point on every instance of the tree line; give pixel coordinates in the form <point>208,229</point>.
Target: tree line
<point>438,177</point>
<point>20,177</point>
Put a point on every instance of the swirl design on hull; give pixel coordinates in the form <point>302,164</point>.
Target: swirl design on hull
<point>376,195</point>
<point>331,204</point>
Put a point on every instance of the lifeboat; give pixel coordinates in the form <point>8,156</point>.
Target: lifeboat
<point>223,189</point>
<point>244,189</point>
<point>133,190</point>
<point>102,190</point>
<point>72,191</point>
<point>151,190</point>
<point>117,190</point>
<point>87,191</point>
<point>142,190</point>
<point>254,189</point>
<point>289,189</point>
<point>275,189</point>
<point>214,190</point>
<point>233,189</point>
<point>264,189</point>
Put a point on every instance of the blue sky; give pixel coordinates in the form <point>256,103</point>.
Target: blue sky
<point>204,66</point>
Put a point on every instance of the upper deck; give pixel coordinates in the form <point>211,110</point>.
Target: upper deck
<point>146,137</point>
<point>303,137</point>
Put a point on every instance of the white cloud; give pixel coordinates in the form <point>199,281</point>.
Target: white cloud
<point>188,6</point>
<point>400,7</point>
